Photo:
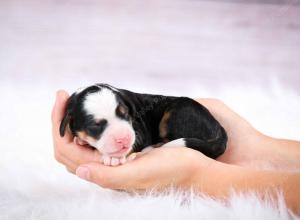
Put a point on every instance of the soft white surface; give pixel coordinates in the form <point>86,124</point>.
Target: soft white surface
<point>245,54</point>
<point>34,186</point>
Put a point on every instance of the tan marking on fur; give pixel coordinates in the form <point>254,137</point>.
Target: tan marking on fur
<point>84,136</point>
<point>163,128</point>
<point>121,109</point>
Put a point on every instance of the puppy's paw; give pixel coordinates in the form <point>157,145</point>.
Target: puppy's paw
<point>123,160</point>
<point>106,160</point>
<point>115,161</point>
<point>112,161</point>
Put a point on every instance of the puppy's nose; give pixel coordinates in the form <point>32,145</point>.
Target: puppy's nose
<point>122,141</point>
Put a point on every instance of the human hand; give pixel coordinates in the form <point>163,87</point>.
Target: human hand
<point>158,169</point>
<point>183,167</point>
<point>245,143</point>
<point>241,135</point>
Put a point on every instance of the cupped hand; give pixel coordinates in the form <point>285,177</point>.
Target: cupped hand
<point>158,169</point>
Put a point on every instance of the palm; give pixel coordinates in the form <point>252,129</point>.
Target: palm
<point>242,137</point>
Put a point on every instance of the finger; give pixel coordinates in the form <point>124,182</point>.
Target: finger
<point>58,112</point>
<point>67,162</point>
<point>78,154</point>
<point>73,171</point>
<point>108,177</point>
<point>59,106</point>
<point>71,166</point>
<point>83,154</point>
<point>131,157</point>
<point>212,104</point>
<point>135,156</point>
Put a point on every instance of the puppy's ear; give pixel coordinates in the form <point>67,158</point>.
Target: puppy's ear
<point>64,123</point>
<point>126,98</point>
<point>68,114</point>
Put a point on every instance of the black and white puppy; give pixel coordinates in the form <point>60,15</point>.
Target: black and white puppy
<point>118,122</point>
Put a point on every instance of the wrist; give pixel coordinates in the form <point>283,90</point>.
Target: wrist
<point>219,180</point>
<point>281,153</point>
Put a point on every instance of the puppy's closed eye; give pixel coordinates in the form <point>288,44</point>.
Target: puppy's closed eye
<point>96,129</point>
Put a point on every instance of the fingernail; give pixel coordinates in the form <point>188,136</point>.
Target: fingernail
<point>83,173</point>
<point>131,157</point>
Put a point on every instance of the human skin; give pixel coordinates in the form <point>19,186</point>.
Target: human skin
<point>238,168</point>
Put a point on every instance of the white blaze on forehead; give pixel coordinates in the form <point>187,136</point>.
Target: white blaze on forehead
<point>101,105</point>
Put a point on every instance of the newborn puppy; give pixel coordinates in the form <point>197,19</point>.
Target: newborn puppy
<point>118,122</point>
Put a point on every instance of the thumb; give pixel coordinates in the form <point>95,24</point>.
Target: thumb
<point>58,112</point>
<point>105,176</point>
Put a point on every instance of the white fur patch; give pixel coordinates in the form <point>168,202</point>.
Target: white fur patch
<point>101,105</point>
<point>147,149</point>
<point>176,143</point>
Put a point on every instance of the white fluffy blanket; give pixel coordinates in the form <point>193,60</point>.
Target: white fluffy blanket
<point>34,186</point>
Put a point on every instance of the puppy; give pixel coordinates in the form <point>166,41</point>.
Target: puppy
<point>118,122</point>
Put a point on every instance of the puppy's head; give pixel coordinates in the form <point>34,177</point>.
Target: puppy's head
<point>101,116</point>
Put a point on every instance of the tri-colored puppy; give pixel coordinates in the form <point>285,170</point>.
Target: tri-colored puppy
<point>118,122</point>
